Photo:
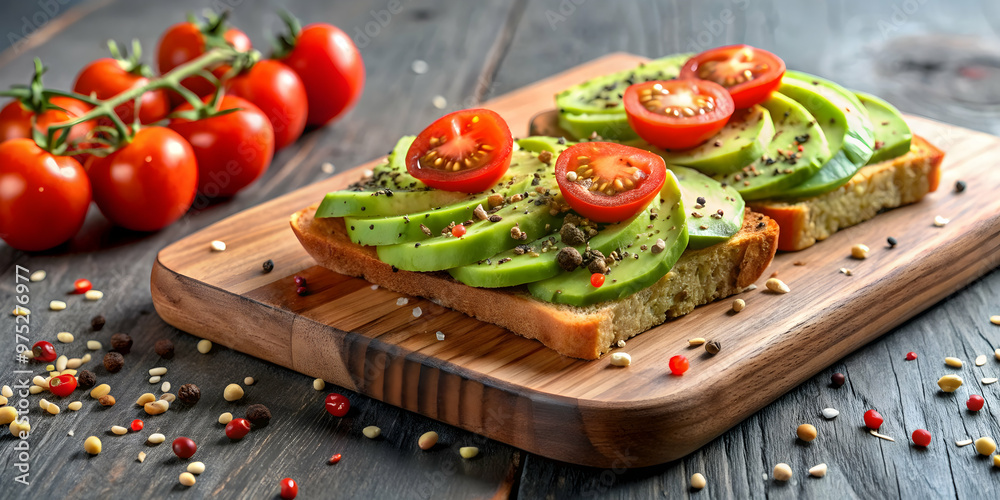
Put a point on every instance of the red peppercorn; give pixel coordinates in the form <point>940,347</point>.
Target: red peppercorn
<point>301,291</point>
<point>300,281</point>
<point>64,385</point>
<point>678,365</point>
<point>910,356</point>
<point>337,404</point>
<point>137,425</point>
<point>237,428</point>
<point>335,458</point>
<point>838,379</point>
<point>873,420</point>
<point>289,488</point>
<point>458,231</point>
<point>82,286</point>
<point>596,280</point>
<point>975,402</point>
<point>184,447</point>
<point>921,437</point>
<point>44,351</point>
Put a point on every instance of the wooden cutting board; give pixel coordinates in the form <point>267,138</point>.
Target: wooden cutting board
<point>489,381</point>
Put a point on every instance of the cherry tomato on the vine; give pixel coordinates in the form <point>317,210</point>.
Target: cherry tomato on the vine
<point>279,93</point>
<point>43,198</point>
<point>149,183</point>
<point>185,41</point>
<point>107,77</point>
<point>232,149</point>
<point>15,119</point>
<point>331,69</point>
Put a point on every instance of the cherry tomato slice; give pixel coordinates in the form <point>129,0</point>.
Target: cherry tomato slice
<point>677,114</point>
<point>608,182</point>
<point>750,74</point>
<point>468,151</point>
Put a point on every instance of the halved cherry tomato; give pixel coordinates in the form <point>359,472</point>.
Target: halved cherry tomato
<point>608,182</point>
<point>468,151</point>
<point>750,74</point>
<point>185,41</point>
<point>107,77</point>
<point>279,93</point>
<point>677,114</point>
<point>15,119</point>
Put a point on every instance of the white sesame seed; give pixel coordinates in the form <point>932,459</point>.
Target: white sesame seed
<point>374,287</point>
<point>989,380</point>
<point>941,221</point>
<point>419,66</point>
<point>439,102</point>
<point>417,312</point>
<point>57,305</point>
<point>402,301</point>
<point>37,276</point>
<point>981,360</point>
<point>963,442</point>
<point>218,246</point>
<point>93,295</point>
<point>830,413</point>
<point>328,168</point>
<point>439,335</point>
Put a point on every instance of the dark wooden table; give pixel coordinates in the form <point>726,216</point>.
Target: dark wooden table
<point>937,59</point>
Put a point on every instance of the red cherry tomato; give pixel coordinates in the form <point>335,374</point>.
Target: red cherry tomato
<point>873,420</point>
<point>43,351</point>
<point>677,114</point>
<point>596,280</point>
<point>237,428</point>
<point>458,231</point>
<point>627,179</point>
<point>278,92</point>
<point>43,198</point>
<point>468,151</point>
<point>137,425</point>
<point>232,150</point>
<point>15,120</point>
<point>337,404</point>
<point>81,286</point>
<point>184,447</point>
<point>149,183</point>
<point>678,365</point>
<point>750,74</point>
<point>289,488</point>
<point>185,41</point>
<point>921,437</point>
<point>975,402</point>
<point>63,385</point>
<point>331,70</point>
<point>106,78</point>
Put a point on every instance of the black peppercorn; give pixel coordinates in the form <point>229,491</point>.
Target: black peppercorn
<point>572,235</point>
<point>164,348</point>
<point>113,362</point>
<point>569,258</point>
<point>189,394</point>
<point>891,241</point>
<point>959,186</point>
<point>268,266</point>
<point>838,379</point>
<point>86,379</point>
<point>258,415</point>
<point>97,323</point>
<point>121,342</point>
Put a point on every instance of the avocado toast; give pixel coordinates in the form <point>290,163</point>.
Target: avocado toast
<point>812,155</point>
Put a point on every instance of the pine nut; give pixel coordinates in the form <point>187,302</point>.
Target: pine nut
<point>35,389</point>
<point>621,359</point>
<point>233,392</point>
<point>696,342</point>
<point>74,363</point>
<point>248,381</point>
<point>427,440</point>
<point>698,481</point>
<point>319,384</point>
<point>777,286</point>
<point>119,430</point>
<point>65,337</point>
<point>75,406</point>
<point>196,467</point>
<point>204,346</point>
<point>156,407</point>
<point>7,392</point>
<point>953,362</point>
<point>986,446</point>
<point>468,452</point>
<point>981,360</point>
<point>92,445</point>
<point>57,305</point>
<point>93,295</point>
<point>61,363</point>
<point>738,305</point>
<point>101,390</point>
<point>995,319</point>
<point>371,432</point>
<point>156,438</point>
<point>85,358</point>
<point>782,472</point>
<point>950,383</point>
<point>225,418</point>
<point>187,478</point>
<point>36,277</point>
<point>19,427</point>
<point>43,404</point>
<point>155,379</point>
<point>160,370</point>
<point>218,246</point>
<point>3,401</point>
<point>7,415</point>
<point>168,397</point>
<point>165,387</point>
<point>40,381</point>
<point>149,397</point>
<point>818,470</point>
<point>142,457</point>
<point>860,251</point>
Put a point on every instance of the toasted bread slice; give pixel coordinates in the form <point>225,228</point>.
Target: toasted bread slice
<point>699,277</point>
<point>890,184</point>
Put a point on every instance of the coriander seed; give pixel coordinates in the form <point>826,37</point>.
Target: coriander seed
<point>113,362</point>
<point>189,394</point>
<point>92,445</point>
<point>713,347</point>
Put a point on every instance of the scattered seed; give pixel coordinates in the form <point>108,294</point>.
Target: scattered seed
<point>61,362</point>
<point>85,358</point>
<point>439,335</point>
<point>196,467</point>
<point>818,470</point>
<point>94,345</point>
<point>57,305</point>
<point>371,432</point>
<point>75,406</point>
<point>106,400</point>
<point>101,390</point>
<point>713,347</point>
<point>738,305</point>
<point>696,342</point>
<point>782,472</point>
<point>187,479</point>
<point>154,379</point>
<point>218,246</point>
<point>996,354</point>
<point>402,301</point>
<point>233,392</point>
<point>20,428</point>
<point>7,415</point>
<point>86,379</point>
<point>892,242</point>
<point>830,413</point>
<point>620,343</point>
<point>953,362</point>
<point>248,381</point>
<point>319,384</point>
<point>838,379</point>
<point>156,438</point>
<point>93,295</point>
<point>419,66</point>
<point>995,319</point>
<point>468,452</point>
<point>20,311</point>
<point>941,221</point>
<point>881,436</point>
<point>165,387</point>
<point>950,383</point>
<point>92,445</point>
<point>204,346</point>
<point>964,442</point>
<point>156,407</point>
<point>860,251</point>
<point>959,186</point>
<point>119,430</point>
<point>6,391</point>
<point>148,397</point>
<point>996,460</point>
<point>334,459</point>
<point>989,380</point>
<point>225,418</point>
<point>439,102</point>
<point>37,276</point>
<point>621,359</point>
<point>986,446</point>
<point>113,362</point>
<point>698,481</point>
<point>427,440</point>
<point>981,360</point>
<point>806,432</point>
<point>327,168</point>
<point>142,457</point>
<point>160,370</point>
<point>777,286</point>
<point>417,312</point>
<point>168,397</point>
<point>189,394</point>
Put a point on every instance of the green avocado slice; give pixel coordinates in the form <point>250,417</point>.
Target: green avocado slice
<point>602,95</point>
<point>783,166</point>
<point>638,268</point>
<point>892,134</point>
<point>744,139</point>
<point>715,212</point>
<point>608,126</point>
<point>845,125</point>
<point>539,143</point>
<point>529,263</point>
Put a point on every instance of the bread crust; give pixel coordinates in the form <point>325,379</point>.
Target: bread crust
<point>889,184</point>
<point>580,332</point>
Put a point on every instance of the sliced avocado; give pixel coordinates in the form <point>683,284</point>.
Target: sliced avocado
<point>892,134</point>
<point>639,266</point>
<point>394,175</point>
<point>609,126</point>
<point>482,239</point>
<point>714,213</point>
<point>845,125</point>
<point>744,139</point>
<point>783,165</point>
<point>539,143</point>
<point>537,260</point>
<point>415,225</point>
<point>603,95</point>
